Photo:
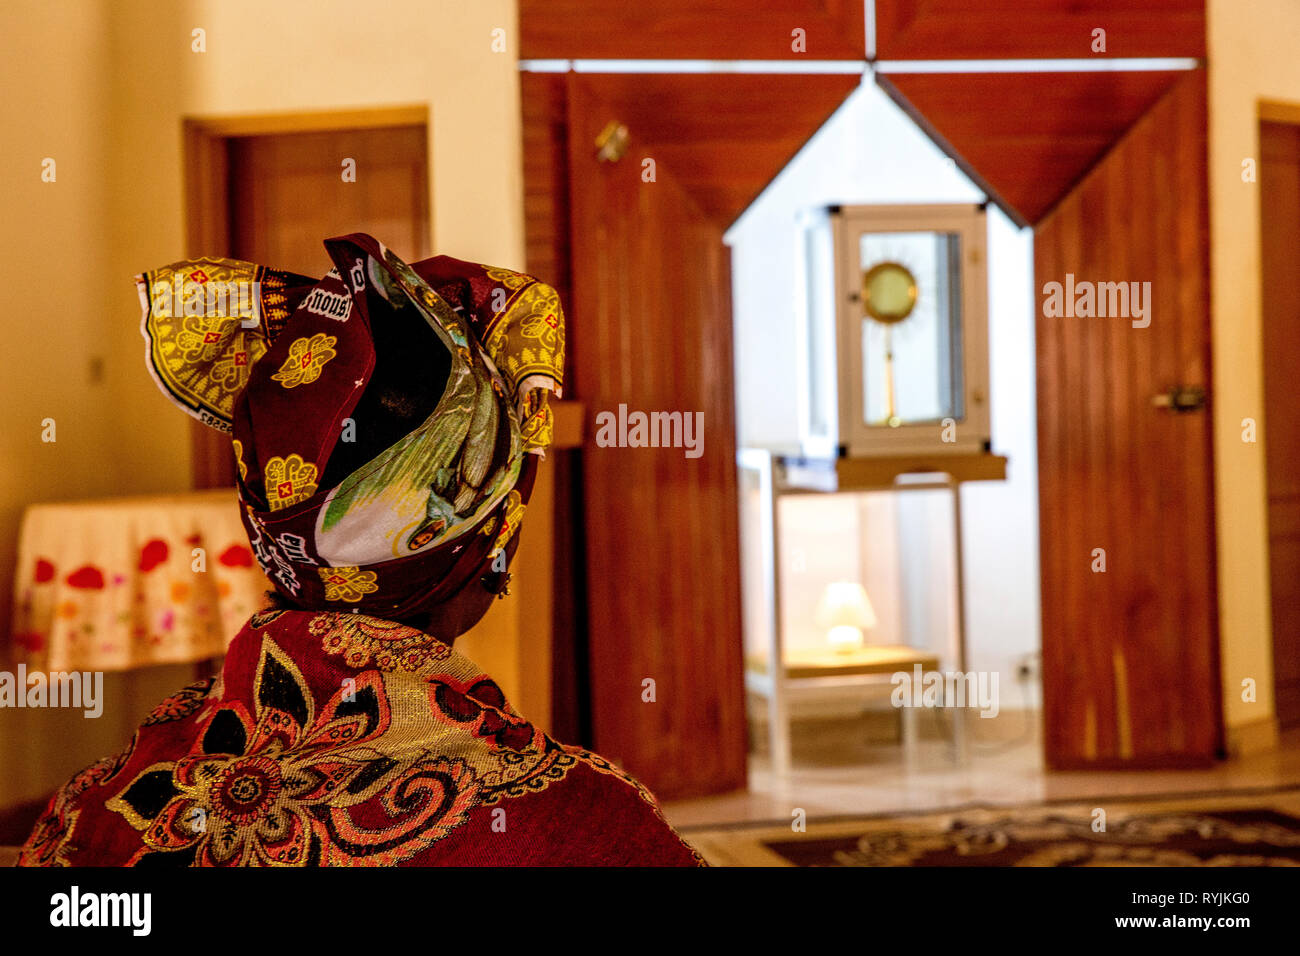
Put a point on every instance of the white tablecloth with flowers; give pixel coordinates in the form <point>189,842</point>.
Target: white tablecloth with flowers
<point>128,582</point>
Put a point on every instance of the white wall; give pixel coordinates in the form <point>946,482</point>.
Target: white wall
<point>871,152</point>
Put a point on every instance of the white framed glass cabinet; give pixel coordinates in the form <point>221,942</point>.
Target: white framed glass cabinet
<point>894,336</point>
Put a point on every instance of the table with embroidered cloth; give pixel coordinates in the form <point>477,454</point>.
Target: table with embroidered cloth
<point>120,583</point>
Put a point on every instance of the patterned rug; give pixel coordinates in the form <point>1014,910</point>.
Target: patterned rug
<point>1243,828</point>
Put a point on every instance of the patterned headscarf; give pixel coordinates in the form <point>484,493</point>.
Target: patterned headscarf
<point>282,361</point>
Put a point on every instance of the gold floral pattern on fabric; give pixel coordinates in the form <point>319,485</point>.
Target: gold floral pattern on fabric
<point>510,520</point>
<point>181,704</point>
<point>307,356</point>
<point>203,323</point>
<point>508,278</point>
<point>288,481</point>
<point>230,369</point>
<point>526,343</point>
<point>363,641</point>
<point>544,321</point>
<point>537,424</point>
<point>202,339</point>
<point>238,446</point>
<point>527,339</point>
<point>275,304</point>
<point>348,584</point>
<point>508,755</point>
<point>279,786</point>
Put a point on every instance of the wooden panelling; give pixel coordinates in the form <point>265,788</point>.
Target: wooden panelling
<point>651,306</point>
<point>1026,138</point>
<point>691,29</point>
<point>1279,184</point>
<point>546,179</point>
<point>288,194</point>
<point>207,232</point>
<point>724,136</point>
<point>545,116</point>
<point>1130,655</point>
<point>1031,29</point>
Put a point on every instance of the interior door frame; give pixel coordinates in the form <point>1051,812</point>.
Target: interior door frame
<point>207,216</point>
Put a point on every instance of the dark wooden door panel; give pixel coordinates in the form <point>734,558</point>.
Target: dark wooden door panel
<point>651,311</point>
<point>1027,138</point>
<point>287,194</point>
<point>1279,183</point>
<point>723,136</point>
<point>1130,656</point>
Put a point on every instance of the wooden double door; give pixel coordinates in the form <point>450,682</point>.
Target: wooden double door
<point>648,644</point>
<point>1130,653</point>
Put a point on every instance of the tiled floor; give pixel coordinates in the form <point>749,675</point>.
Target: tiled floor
<point>866,779</point>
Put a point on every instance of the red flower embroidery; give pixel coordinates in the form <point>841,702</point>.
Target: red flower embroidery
<point>44,571</point>
<point>153,554</point>
<point>87,577</point>
<point>236,556</point>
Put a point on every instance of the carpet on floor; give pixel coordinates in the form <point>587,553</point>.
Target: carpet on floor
<point>1243,828</point>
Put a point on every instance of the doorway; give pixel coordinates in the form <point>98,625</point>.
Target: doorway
<point>893,546</point>
<point>270,189</point>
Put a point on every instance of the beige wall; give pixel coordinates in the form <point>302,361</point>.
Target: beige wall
<point>1253,57</point>
<point>102,87</point>
<point>54,260</point>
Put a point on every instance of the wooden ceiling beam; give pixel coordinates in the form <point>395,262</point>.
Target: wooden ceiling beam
<point>1037,29</point>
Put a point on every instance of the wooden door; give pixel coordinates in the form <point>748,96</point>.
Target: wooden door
<point>1279,184</point>
<point>651,319</point>
<point>1130,654</point>
<point>288,193</point>
<point>273,197</point>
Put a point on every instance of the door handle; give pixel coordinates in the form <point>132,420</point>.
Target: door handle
<point>1181,398</point>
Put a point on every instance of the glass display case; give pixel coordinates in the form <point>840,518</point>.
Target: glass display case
<point>894,334</point>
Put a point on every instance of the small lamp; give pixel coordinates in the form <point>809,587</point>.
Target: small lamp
<point>846,611</point>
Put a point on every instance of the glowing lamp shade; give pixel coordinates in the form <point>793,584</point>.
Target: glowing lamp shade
<point>845,611</point>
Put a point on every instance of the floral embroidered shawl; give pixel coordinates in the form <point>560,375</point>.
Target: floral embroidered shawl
<point>335,739</point>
